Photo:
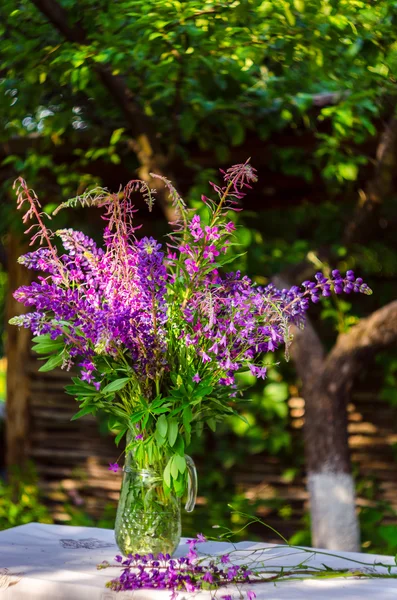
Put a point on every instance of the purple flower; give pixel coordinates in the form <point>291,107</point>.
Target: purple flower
<point>208,577</point>
<point>139,436</point>
<point>232,572</point>
<point>200,538</point>
<point>227,597</point>
<point>113,467</point>
<point>251,595</point>
<point>225,559</point>
<point>190,587</point>
<point>259,372</point>
<point>87,376</point>
<point>196,378</point>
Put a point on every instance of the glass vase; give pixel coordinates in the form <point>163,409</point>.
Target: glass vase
<point>147,519</point>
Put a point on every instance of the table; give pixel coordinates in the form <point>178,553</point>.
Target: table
<point>58,562</point>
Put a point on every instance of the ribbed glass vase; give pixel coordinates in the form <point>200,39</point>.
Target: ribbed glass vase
<point>148,520</point>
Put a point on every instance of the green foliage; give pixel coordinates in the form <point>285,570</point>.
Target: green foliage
<point>231,67</point>
<point>20,500</point>
<point>233,70</point>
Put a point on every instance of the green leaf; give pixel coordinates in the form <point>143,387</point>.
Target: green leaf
<point>42,338</point>
<point>167,473</point>
<point>202,391</point>
<point>179,487</point>
<point>174,468</point>
<point>116,135</point>
<point>120,436</point>
<point>81,390</point>
<point>137,416</point>
<point>187,417</point>
<point>211,424</point>
<point>180,462</point>
<point>52,363</point>
<point>84,411</point>
<point>162,426</point>
<point>160,440</point>
<point>116,385</point>
<point>348,171</point>
<point>179,446</point>
<point>161,409</point>
<point>172,431</point>
<point>157,402</point>
<point>48,347</point>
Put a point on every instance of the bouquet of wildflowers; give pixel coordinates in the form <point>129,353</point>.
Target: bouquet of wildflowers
<point>157,332</point>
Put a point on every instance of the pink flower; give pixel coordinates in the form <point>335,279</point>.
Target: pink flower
<point>139,437</point>
<point>113,467</point>
<point>214,348</point>
<point>196,378</point>
<point>229,227</point>
<point>200,539</point>
<point>204,356</point>
<point>191,266</point>
<point>192,554</point>
<point>212,233</point>
<point>185,249</point>
<point>97,385</point>
<point>210,252</point>
<point>251,595</point>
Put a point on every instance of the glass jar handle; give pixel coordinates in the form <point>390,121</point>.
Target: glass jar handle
<point>192,484</point>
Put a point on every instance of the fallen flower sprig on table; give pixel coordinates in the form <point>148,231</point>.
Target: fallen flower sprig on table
<point>198,571</point>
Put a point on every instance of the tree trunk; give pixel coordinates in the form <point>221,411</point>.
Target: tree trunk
<point>17,350</point>
<point>327,382</point>
<point>329,479</point>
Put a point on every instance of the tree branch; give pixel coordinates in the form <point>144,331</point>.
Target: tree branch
<point>378,188</point>
<point>374,333</point>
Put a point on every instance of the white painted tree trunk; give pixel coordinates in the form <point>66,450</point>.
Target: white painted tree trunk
<point>333,511</point>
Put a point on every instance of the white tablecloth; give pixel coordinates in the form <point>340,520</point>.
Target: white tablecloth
<point>58,562</point>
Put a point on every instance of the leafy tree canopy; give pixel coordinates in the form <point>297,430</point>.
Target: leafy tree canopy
<point>197,73</point>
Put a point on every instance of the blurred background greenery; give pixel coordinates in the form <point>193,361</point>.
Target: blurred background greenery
<point>96,93</point>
